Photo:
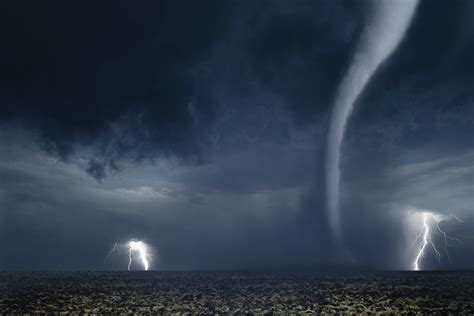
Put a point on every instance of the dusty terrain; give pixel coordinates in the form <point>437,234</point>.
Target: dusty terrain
<point>236,292</point>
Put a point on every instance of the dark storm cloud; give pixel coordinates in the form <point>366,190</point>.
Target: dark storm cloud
<point>204,124</point>
<point>70,70</point>
<point>150,71</point>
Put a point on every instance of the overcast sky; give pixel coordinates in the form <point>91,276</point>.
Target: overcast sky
<point>199,127</point>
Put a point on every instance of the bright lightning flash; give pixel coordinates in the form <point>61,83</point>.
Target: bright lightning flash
<point>425,237</point>
<point>136,246</point>
<point>136,249</point>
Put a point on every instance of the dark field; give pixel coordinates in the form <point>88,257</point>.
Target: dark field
<point>236,292</point>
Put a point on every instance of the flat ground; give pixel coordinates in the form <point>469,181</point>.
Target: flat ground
<point>236,292</point>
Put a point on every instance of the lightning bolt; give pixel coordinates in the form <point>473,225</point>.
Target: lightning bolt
<point>136,249</point>
<point>143,253</point>
<point>426,233</point>
<point>115,248</point>
<point>446,238</point>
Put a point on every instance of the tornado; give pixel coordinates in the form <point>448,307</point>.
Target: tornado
<point>383,31</point>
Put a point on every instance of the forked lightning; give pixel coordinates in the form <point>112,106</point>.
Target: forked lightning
<point>136,249</point>
<point>425,237</point>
